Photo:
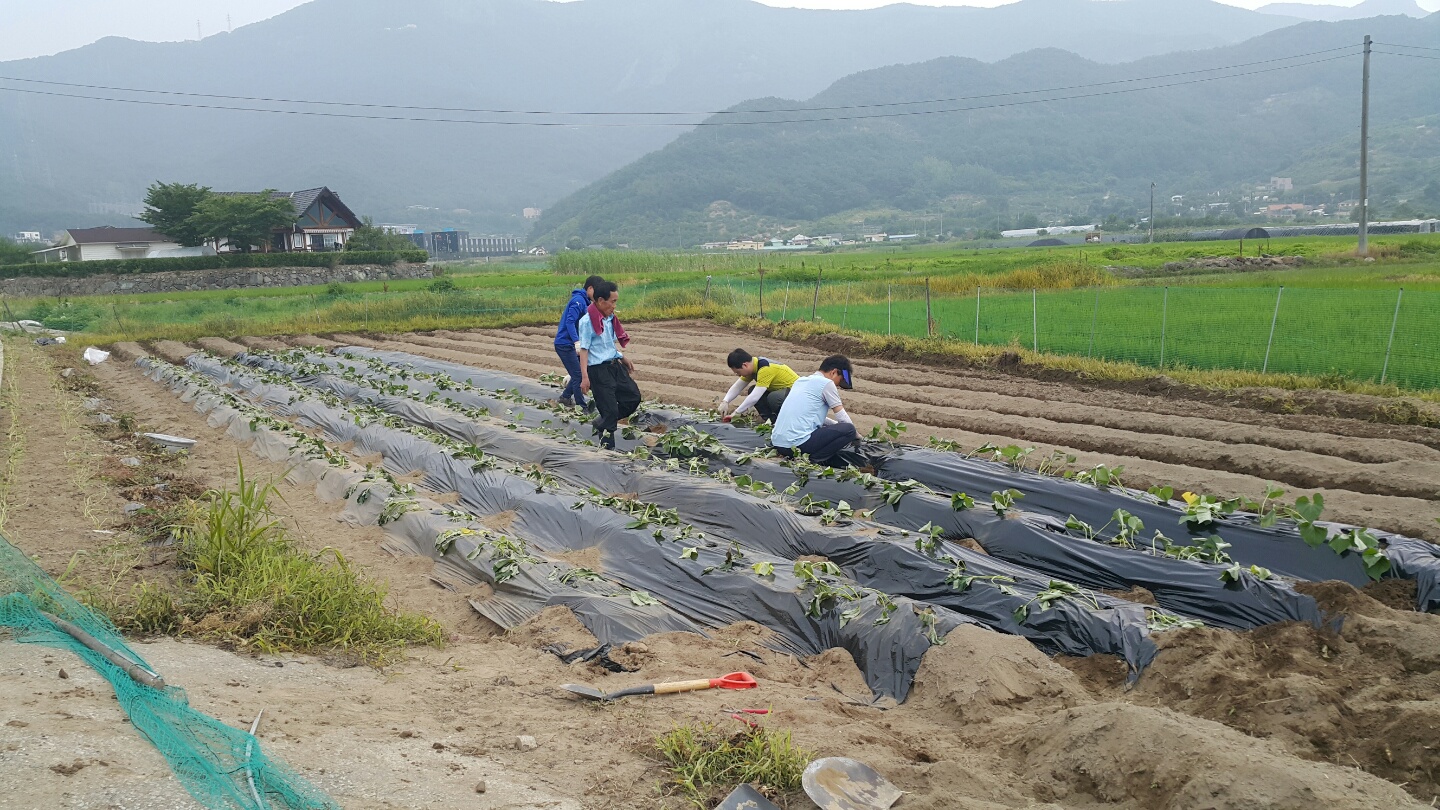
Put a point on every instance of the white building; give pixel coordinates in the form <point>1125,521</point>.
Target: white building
<point>530,213</point>
<point>29,238</point>
<point>1053,230</point>
<point>105,242</point>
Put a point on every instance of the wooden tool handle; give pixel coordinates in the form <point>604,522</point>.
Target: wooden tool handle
<point>681,686</point>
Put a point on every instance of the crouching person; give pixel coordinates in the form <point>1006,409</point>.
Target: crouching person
<point>771,385</point>
<point>605,372</point>
<point>812,419</point>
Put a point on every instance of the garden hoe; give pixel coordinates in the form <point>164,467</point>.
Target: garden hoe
<point>838,783</point>
<point>735,680</point>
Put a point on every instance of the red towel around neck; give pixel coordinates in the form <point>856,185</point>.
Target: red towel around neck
<point>598,322</point>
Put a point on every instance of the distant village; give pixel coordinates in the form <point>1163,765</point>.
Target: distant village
<point>803,242</point>
<point>324,223</point>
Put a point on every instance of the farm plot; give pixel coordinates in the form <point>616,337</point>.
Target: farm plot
<point>452,408</point>
<point>513,514</point>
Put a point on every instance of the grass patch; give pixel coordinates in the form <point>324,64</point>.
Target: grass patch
<point>705,763</point>
<point>1334,320</point>
<point>246,583</point>
<point>1014,358</point>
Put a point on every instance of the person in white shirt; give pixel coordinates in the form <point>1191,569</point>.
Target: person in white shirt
<point>812,420</point>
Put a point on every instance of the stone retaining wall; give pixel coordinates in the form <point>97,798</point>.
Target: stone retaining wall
<point>225,278</point>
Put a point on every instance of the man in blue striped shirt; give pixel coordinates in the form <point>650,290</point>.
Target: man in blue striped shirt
<point>605,371</point>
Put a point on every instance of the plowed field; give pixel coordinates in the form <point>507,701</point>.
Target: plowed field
<point>1285,716</point>
<point>1386,476</point>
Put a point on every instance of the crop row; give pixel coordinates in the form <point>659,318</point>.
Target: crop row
<point>1218,594</point>
<point>807,606</point>
<point>1248,537</point>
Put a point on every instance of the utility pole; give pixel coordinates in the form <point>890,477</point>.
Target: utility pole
<point>1152,212</point>
<point>1364,246</point>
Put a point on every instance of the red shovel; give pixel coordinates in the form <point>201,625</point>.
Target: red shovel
<point>735,680</point>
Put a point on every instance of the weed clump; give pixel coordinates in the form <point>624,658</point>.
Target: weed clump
<point>249,585</point>
<point>705,763</point>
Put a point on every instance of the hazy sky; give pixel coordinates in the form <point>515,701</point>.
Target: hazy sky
<point>41,27</point>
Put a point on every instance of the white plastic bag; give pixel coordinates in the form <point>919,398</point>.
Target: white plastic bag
<point>95,356</point>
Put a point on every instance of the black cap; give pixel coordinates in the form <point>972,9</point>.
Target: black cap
<point>840,363</point>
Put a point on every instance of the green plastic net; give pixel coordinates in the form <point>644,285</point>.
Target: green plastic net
<point>221,767</point>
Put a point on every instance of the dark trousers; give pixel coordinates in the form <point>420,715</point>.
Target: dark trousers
<point>616,397</point>
<point>572,367</point>
<point>769,405</point>
<point>825,443</point>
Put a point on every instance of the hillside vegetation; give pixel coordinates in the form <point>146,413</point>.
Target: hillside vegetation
<point>592,55</point>
<point>1082,159</point>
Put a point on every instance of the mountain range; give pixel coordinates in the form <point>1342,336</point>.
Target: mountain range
<point>79,161</point>
<point>1325,13</point>
<point>996,148</point>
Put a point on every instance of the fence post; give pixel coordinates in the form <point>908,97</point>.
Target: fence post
<point>977,314</point>
<point>786,306</point>
<point>814,304</point>
<point>707,292</point>
<point>742,296</point>
<point>887,309</point>
<point>929,320</point>
<point>1394,320</point>
<point>365,302</point>
<point>1164,314</point>
<point>762,292</point>
<point>1094,319</point>
<point>1034,320</point>
<point>1273,318</point>
<point>845,314</point>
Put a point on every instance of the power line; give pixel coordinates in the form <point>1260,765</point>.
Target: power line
<point>490,111</point>
<point>1416,47</point>
<point>826,119</point>
<point>1409,55</point>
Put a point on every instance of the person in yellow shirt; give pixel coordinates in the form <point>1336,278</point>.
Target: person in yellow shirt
<point>771,382</point>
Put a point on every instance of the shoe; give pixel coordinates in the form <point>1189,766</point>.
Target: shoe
<point>607,440</point>
<point>567,402</point>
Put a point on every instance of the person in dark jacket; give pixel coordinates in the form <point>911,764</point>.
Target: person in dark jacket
<point>565,337</point>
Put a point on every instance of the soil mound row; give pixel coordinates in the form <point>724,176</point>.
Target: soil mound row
<point>1388,481</point>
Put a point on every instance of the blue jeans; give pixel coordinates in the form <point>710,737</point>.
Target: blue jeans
<point>572,367</point>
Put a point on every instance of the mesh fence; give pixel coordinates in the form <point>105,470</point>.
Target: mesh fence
<point>1388,336</point>
<point>222,767</point>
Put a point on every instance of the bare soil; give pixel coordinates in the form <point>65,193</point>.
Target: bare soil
<point>1286,716</point>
